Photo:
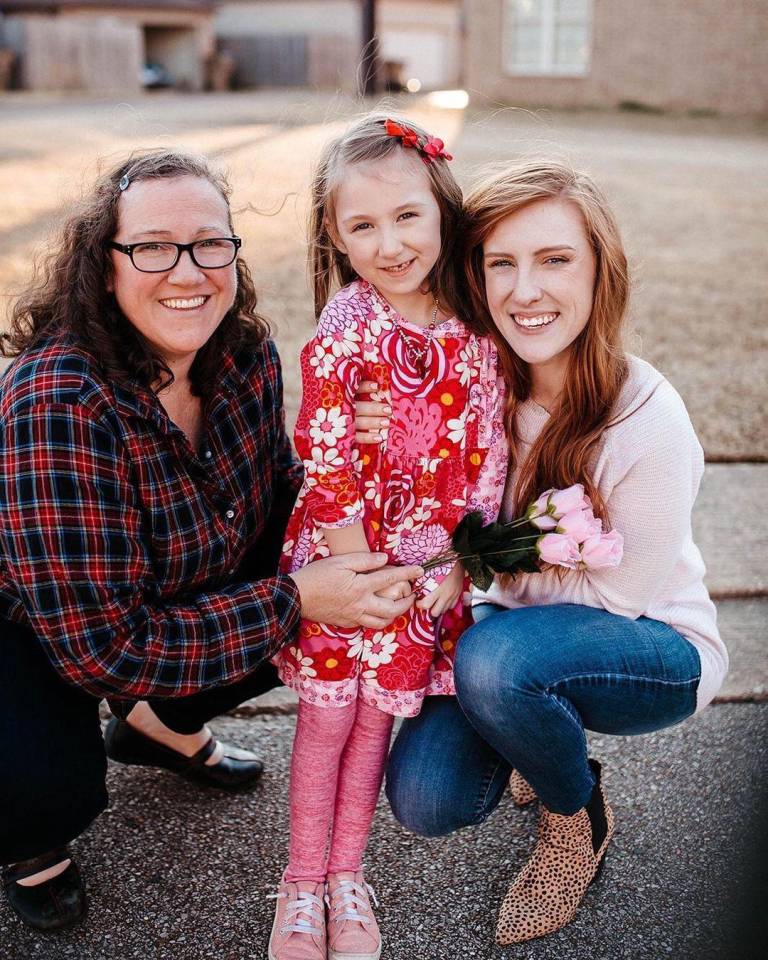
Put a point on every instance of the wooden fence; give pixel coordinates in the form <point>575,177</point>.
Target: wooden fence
<point>292,60</point>
<point>74,54</point>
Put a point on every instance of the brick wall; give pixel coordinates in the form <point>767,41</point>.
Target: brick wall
<point>673,54</point>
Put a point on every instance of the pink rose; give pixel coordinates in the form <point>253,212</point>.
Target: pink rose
<point>602,550</point>
<point>565,501</point>
<point>580,525</point>
<point>539,508</point>
<point>558,549</point>
<point>556,503</point>
<point>544,522</point>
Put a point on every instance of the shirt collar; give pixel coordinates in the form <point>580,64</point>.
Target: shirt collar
<point>133,399</point>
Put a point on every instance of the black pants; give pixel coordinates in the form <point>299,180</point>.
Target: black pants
<point>52,760</point>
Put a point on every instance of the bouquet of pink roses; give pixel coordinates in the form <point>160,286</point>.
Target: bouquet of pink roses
<point>558,528</point>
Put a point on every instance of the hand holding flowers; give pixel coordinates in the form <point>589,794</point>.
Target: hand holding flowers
<point>558,528</point>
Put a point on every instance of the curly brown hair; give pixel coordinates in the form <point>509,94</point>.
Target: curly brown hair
<point>69,290</point>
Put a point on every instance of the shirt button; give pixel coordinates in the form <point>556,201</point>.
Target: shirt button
<point>208,454</point>
<point>230,514</point>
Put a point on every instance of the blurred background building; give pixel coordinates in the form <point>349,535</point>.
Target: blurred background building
<point>705,56</point>
<point>318,42</point>
<point>108,45</point>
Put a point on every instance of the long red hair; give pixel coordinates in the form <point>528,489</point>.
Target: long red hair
<point>597,366</point>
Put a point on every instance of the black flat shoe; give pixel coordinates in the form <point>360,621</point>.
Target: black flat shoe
<point>53,905</point>
<point>127,745</point>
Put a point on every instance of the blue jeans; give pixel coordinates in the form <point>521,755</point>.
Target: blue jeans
<point>528,682</point>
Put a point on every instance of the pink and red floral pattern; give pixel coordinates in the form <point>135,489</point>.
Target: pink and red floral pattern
<point>444,454</point>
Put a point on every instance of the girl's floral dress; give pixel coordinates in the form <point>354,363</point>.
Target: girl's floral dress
<point>436,463</point>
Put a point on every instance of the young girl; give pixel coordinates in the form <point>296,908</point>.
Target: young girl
<point>386,217</point>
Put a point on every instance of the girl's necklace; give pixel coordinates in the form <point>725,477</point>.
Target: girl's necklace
<point>416,350</point>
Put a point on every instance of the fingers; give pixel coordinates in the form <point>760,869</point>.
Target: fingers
<point>369,428</point>
<point>380,613</point>
<point>365,562</point>
<point>368,424</point>
<point>365,404</point>
<point>367,386</point>
<point>396,592</point>
<point>438,601</point>
<point>441,606</point>
<point>389,576</point>
<point>367,437</point>
<point>370,410</point>
<point>428,601</point>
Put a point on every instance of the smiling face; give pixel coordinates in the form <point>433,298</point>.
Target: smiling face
<point>539,278</point>
<point>176,311</point>
<point>387,222</point>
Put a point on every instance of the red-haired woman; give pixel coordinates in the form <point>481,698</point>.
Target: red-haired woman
<point>621,650</point>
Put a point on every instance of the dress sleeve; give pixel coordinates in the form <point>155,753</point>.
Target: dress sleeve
<point>331,368</point>
<point>71,538</point>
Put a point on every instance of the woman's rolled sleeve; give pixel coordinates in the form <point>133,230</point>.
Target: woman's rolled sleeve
<point>72,541</point>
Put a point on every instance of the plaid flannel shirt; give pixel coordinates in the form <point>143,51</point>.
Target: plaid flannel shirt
<point>126,552</point>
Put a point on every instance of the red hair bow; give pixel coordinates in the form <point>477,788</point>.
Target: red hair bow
<point>429,148</point>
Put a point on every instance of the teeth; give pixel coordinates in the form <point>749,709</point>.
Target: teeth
<point>399,268</point>
<point>178,304</point>
<point>539,321</point>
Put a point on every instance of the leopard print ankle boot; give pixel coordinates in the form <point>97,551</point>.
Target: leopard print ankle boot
<point>521,791</point>
<point>550,887</point>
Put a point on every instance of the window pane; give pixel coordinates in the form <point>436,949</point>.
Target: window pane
<point>527,9</point>
<point>571,46</point>
<point>526,46</point>
<point>577,10</point>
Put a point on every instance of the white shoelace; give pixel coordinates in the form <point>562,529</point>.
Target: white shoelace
<point>346,897</point>
<point>306,903</point>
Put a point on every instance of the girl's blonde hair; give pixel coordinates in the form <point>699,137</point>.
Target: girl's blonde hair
<point>597,367</point>
<point>363,142</point>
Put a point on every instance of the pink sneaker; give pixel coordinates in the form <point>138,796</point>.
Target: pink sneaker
<point>298,931</point>
<point>353,933</point>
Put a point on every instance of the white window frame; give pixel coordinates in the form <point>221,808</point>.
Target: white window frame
<point>546,66</point>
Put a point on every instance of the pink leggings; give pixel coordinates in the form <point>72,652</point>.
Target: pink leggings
<point>339,754</point>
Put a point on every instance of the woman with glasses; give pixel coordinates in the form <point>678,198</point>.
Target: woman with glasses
<point>145,478</point>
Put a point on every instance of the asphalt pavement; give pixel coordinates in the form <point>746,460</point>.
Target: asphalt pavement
<point>180,872</point>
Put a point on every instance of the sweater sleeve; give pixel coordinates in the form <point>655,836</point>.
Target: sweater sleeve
<point>650,470</point>
<point>71,537</point>
<point>331,368</point>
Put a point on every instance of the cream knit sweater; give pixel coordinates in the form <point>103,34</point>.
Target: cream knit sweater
<point>647,468</point>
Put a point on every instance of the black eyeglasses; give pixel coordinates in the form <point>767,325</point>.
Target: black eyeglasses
<point>161,255</point>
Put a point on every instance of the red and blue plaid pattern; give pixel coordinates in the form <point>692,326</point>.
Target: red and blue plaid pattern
<point>125,551</point>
